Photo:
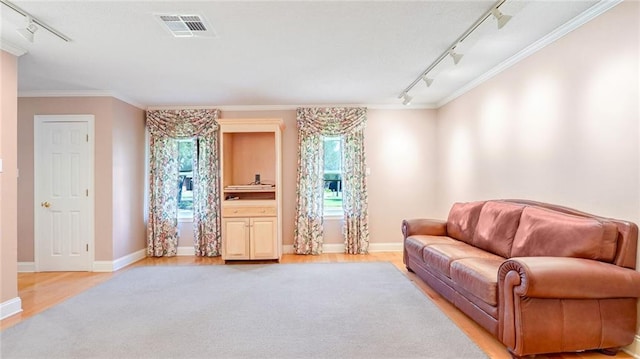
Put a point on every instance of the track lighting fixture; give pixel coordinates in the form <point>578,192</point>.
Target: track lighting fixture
<point>455,56</point>
<point>406,99</point>
<point>501,18</point>
<point>494,11</point>
<point>33,24</point>
<point>428,81</point>
<point>28,31</point>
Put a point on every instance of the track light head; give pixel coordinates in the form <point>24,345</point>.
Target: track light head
<point>494,11</point>
<point>501,18</point>
<point>28,31</point>
<point>455,56</point>
<point>406,99</point>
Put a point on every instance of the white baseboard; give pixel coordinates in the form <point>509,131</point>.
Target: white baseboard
<point>339,247</point>
<point>102,266</point>
<point>129,259</point>
<point>186,251</point>
<point>26,267</point>
<point>112,266</point>
<point>386,247</point>
<point>10,307</point>
<point>634,348</point>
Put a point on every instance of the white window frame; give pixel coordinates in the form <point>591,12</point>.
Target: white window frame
<point>332,213</point>
<point>185,218</point>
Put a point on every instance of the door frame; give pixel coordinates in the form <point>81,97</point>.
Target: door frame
<point>38,122</point>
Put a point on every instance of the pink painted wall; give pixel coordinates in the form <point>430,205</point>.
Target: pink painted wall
<point>102,109</point>
<point>119,137</point>
<point>395,188</point>
<point>399,154</point>
<point>399,147</point>
<point>402,183</point>
<point>128,179</point>
<point>8,177</point>
<point>562,126</point>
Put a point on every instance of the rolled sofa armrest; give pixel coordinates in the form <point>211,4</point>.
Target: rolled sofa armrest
<point>569,278</point>
<point>433,227</point>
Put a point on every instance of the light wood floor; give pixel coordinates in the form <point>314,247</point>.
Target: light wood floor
<point>40,291</point>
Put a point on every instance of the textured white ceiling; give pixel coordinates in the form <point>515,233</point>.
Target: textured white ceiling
<point>271,52</point>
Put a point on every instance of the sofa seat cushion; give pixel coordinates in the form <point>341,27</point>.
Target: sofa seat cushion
<point>416,243</point>
<point>462,220</point>
<point>478,276</point>
<point>440,256</point>
<point>497,226</point>
<point>543,232</point>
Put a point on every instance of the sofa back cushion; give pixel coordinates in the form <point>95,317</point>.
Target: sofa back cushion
<point>543,232</point>
<point>497,226</point>
<point>462,221</point>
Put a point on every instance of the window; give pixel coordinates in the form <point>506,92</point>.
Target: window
<point>185,177</point>
<point>332,176</point>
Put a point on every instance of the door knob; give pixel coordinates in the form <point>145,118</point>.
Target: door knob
<point>45,204</point>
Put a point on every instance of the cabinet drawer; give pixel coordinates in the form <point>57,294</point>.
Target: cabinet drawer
<point>261,211</point>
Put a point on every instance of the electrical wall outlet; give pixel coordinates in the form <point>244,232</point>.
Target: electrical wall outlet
<point>257,181</point>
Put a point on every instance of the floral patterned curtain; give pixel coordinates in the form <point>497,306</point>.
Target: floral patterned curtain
<point>165,127</point>
<point>313,124</point>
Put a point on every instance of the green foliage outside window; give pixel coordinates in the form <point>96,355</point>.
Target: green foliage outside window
<point>332,174</point>
<point>185,156</point>
<point>332,158</point>
<point>185,175</point>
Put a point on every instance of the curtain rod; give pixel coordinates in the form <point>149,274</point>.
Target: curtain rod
<point>461,38</point>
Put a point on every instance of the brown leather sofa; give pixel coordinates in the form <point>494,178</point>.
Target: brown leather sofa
<point>541,278</point>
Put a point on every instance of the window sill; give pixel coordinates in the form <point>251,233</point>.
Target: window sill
<point>185,220</point>
<point>334,216</point>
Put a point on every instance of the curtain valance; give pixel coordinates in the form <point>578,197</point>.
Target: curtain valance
<point>331,121</point>
<point>313,125</point>
<point>183,123</point>
<point>166,127</point>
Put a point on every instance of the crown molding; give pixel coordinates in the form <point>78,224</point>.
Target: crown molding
<point>12,48</point>
<point>80,93</point>
<point>586,16</point>
<point>294,107</point>
<point>65,93</point>
<point>98,93</point>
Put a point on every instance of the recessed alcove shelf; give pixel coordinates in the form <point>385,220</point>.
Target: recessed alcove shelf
<point>251,212</point>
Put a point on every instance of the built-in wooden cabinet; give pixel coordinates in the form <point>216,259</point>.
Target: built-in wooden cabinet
<point>251,209</point>
<point>251,238</point>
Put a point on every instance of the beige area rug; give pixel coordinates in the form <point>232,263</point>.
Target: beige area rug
<point>332,310</point>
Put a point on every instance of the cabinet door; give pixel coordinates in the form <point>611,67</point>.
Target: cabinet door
<point>264,238</point>
<point>235,238</point>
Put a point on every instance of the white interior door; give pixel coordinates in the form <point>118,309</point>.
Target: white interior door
<point>63,192</point>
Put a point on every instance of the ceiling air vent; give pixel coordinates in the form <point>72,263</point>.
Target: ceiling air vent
<point>186,25</point>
